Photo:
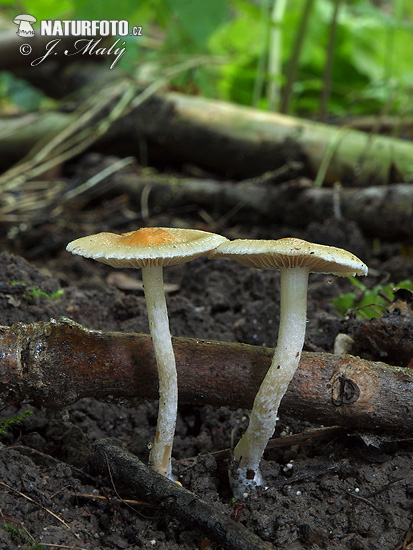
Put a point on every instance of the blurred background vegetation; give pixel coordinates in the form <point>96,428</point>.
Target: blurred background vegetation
<point>324,59</point>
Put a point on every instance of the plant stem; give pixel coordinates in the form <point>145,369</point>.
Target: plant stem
<point>274,57</point>
<point>295,55</point>
<point>262,60</point>
<point>325,93</point>
<point>160,456</point>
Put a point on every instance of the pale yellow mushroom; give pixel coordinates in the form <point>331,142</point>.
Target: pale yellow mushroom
<point>151,249</point>
<point>295,259</point>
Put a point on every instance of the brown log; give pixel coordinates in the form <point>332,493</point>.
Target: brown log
<point>53,364</point>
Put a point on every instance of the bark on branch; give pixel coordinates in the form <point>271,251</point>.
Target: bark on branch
<point>54,364</point>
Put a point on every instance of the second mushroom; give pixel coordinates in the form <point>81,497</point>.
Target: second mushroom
<point>152,248</point>
<point>295,259</point>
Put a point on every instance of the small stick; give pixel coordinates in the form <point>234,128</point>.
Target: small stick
<point>40,506</point>
<point>156,489</point>
<point>304,438</point>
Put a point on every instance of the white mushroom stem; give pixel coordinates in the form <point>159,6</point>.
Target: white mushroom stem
<point>160,455</point>
<point>244,472</point>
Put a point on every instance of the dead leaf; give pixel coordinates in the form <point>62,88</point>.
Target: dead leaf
<point>126,282</point>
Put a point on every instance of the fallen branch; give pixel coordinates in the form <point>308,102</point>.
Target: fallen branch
<point>383,211</point>
<point>54,364</point>
<point>231,140</point>
<point>242,141</point>
<point>109,459</point>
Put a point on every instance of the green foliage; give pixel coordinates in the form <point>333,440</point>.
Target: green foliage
<point>369,303</point>
<point>372,68</point>
<point>197,20</point>
<point>20,537</point>
<point>21,94</point>
<point>45,9</point>
<point>372,61</point>
<point>105,9</point>
<point>32,292</point>
<point>7,423</point>
<point>240,43</point>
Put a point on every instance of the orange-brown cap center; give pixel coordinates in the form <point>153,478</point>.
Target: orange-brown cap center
<point>147,236</point>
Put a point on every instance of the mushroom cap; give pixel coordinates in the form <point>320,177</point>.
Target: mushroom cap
<point>146,246</point>
<point>291,252</point>
<point>24,17</point>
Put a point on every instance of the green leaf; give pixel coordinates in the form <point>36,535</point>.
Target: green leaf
<point>369,303</point>
<point>408,285</point>
<point>7,423</point>
<point>46,9</point>
<point>345,302</point>
<point>199,19</point>
<point>106,9</point>
<point>20,92</point>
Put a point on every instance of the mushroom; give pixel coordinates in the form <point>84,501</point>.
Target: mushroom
<point>152,248</point>
<point>25,25</point>
<point>295,259</point>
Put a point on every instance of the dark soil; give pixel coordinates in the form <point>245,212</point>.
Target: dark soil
<point>340,493</point>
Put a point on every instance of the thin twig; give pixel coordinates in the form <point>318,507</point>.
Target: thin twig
<point>304,438</point>
<point>363,499</point>
<point>97,178</point>
<point>118,500</point>
<point>19,525</point>
<point>41,506</point>
<point>54,545</point>
<point>383,489</point>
